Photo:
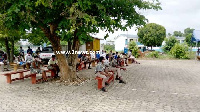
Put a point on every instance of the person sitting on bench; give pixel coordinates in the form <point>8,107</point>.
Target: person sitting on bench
<point>35,68</point>
<point>113,63</point>
<point>28,59</point>
<point>21,61</point>
<point>52,65</point>
<point>86,60</point>
<point>117,71</point>
<point>101,73</point>
<point>132,57</point>
<point>5,62</point>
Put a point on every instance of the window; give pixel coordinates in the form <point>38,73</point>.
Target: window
<point>126,42</point>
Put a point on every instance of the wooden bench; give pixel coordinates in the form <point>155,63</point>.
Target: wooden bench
<point>9,78</point>
<point>81,66</point>
<point>101,79</point>
<point>22,77</point>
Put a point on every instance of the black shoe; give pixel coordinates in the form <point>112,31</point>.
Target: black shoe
<point>117,78</point>
<point>89,68</point>
<point>121,81</point>
<point>107,84</point>
<point>103,89</point>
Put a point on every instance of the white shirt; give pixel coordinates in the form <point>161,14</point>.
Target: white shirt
<point>28,57</point>
<point>92,55</point>
<point>51,62</point>
<point>103,55</point>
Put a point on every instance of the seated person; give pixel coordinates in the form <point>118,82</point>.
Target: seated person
<point>132,58</point>
<point>86,60</point>
<point>117,71</point>
<point>52,65</point>
<point>97,57</point>
<point>21,61</point>
<point>28,59</point>
<point>114,64</point>
<point>35,68</point>
<point>5,63</point>
<point>125,59</point>
<point>101,73</point>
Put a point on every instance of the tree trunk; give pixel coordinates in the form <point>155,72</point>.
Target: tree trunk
<point>65,70</point>
<point>73,57</point>
<point>7,49</point>
<point>151,47</point>
<point>12,51</point>
<point>69,55</point>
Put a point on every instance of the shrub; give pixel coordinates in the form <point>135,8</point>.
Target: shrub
<point>133,46</point>
<point>169,43</point>
<point>180,51</point>
<point>154,54</point>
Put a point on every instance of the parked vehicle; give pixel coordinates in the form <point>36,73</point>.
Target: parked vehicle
<point>47,52</point>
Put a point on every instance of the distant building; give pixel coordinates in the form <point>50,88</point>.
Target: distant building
<point>110,42</point>
<point>122,41</point>
<point>180,39</point>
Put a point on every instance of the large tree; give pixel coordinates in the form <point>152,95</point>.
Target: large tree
<point>74,20</point>
<point>152,34</point>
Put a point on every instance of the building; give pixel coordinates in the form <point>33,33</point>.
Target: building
<point>122,41</point>
<point>110,42</point>
<point>92,45</point>
<point>180,39</point>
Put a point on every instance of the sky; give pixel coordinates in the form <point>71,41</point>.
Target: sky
<point>176,15</point>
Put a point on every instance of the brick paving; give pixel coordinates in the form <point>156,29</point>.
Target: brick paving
<point>152,86</point>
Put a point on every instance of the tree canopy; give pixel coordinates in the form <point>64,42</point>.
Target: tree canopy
<point>177,34</point>
<point>73,20</point>
<point>152,34</point>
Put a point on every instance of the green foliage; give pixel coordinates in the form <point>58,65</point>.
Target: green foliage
<point>133,46</point>
<point>36,37</point>
<point>109,47</point>
<point>178,34</point>
<point>188,31</point>
<point>152,34</point>
<point>169,43</point>
<point>88,16</point>
<point>154,54</point>
<point>63,43</point>
<point>188,37</point>
<point>180,51</point>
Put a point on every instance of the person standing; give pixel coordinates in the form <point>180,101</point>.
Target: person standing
<point>29,50</point>
<point>21,52</point>
<point>38,50</point>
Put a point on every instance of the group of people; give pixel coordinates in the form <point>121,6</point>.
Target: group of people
<point>108,63</point>
<point>34,62</point>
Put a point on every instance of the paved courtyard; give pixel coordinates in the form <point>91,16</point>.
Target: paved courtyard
<point>152,86</point>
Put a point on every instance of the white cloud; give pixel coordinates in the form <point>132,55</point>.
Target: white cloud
<point>176,15</point>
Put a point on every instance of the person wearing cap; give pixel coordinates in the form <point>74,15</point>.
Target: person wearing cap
<point>53,65</point>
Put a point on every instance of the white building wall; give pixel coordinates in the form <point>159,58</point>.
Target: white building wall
<point>120,43</point>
